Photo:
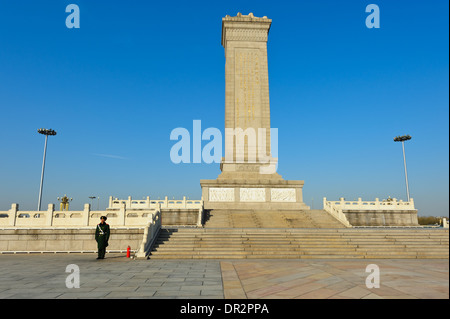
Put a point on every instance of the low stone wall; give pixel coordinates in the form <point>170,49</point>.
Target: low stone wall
<point>382,218</point>
<point>66,240</point>
<point>69,231</point>
<point>181,217</point>
<point>115,204</point>
<point>388,212</point>
<point>15,218</point>
<point>122,217</point>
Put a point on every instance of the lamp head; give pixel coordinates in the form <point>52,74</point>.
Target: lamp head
<point>45,131</point>
<point>402,138</point>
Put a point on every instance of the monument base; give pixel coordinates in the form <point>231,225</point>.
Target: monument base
<point>252,191</point>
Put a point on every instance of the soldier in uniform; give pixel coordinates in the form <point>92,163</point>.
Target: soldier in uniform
<point>102,236</point>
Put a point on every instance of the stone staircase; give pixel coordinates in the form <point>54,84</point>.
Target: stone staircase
<point>271,219</point>
<point>281,243</point>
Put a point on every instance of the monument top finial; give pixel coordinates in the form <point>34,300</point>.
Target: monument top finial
<point>245,28</point>
<point>240,17</point>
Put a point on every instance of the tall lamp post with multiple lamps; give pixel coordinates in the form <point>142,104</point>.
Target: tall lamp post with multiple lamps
<point>45,132</point>
<point>403,139</point>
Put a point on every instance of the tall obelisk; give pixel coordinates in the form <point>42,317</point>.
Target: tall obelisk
<point>247,107</point>
<point>248,179</point>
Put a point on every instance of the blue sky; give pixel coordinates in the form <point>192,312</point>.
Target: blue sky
<point>116,87</point>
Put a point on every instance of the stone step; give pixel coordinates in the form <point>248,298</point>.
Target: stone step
<point>270,232</point>
<point>393,254</point>
<point>299,241</point>
<point>255,246</point>
<point>285,219</point>
<point>252,249</point>
<point>300,235</point>
<point>298,248</point>
<point>280,243</point>
<point>212,256</point>
<point>400,246</point>
<point>251,240</point>
<point>309,230</point>
<point>307,234</point>
<point>256,253</point>
<point>416,250</point>
<point>269,256</point>
<point>297,256</point>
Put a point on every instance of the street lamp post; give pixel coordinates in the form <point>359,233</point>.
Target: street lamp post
<point>92,199</point>
<point>98,201</point>
<point>45,132</point>
<point>403,139</point>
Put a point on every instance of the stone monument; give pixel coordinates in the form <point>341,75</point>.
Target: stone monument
<point>248,178</point>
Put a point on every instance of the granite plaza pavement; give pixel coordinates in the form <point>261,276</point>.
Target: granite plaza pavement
<point>43,276</point>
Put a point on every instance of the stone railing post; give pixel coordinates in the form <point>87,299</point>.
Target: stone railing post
<point>360,202</point>
<point>86,214</point>
<point>49,217</point>
<point>200,215</point>
<point>13,214</point>
<point>122,214</point>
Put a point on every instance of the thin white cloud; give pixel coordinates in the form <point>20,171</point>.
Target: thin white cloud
<point>111,156</point>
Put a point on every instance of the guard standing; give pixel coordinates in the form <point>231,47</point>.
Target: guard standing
<point>102,236</point>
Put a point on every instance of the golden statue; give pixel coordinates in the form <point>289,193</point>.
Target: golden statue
<point>64,202</point>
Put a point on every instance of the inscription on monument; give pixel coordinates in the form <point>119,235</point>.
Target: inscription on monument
<point>252,194</point>
<point>282,194</point>
<point>248,88</point>
<point>221,194</point>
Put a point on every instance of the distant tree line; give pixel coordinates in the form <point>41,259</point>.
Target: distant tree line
<point>430,220</point>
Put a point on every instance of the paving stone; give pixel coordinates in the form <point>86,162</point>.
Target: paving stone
<point>258,278</point>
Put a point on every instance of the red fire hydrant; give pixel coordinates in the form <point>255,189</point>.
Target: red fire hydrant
<point>128,251</point>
